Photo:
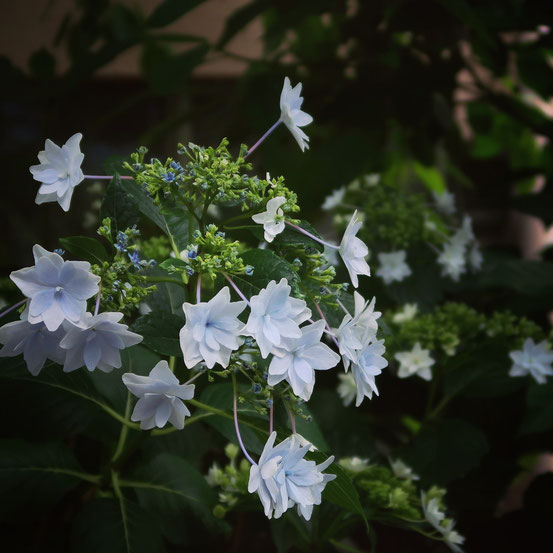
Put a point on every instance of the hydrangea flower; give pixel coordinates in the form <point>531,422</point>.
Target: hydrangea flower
<point>272,219</point>
<point>59,171</point>
<point>370,363</point>
<point>353,251</point>
<point>445,202</point>
<point>533,359</point>
<point>432,511</point>
<point>212,330</point>
<point>334,199</point>
<point>34,341</point>
<point>96,342</point>
<point>475,258</point>
<point>297,360</point>
<point>160,397</point>
<point>283,478</point>
<point>275,316</point>
<point>354,464</point>
<point>58,289</point>
<point>393,267</point>
<point>453,260</point>
<point>417,361</point>
<point>347,389</point>
<point>403,471</point>
<point>291,114</point>
<point>451,537</point>
<point>407,313</point>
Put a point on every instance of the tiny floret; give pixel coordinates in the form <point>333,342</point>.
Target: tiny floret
<point>369,364</point>
<point>291,114</point>
<point>354,251</point>
<point>272,219</point>
<point>334,199</point>
<point>393,267</point>
<point>533,359</point>
<point>417,361</point>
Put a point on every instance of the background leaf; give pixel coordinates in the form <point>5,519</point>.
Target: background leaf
<point>86,249</point>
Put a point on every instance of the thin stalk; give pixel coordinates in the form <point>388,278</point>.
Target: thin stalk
<point>199,289</point>
<point>172,360</point>
<point>271,416</point>
<point>343,547</point>
<point>292,419</point>
<point>329,330</point>
<point>97,306</point>
<point>312,236</point>
<point>196,376</point>
<point>15,306</point>
<point>123,434</point>
<point>342,306</point>
<point>254,147</point>
<point>236,289</point>
<point>106,177</point>
<point>236,426</point>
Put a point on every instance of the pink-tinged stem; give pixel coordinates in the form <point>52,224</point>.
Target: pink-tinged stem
<point>271,412</point>
<point>9,309</point>
<point>199,289</point>
<point>253,148</point>
<point>236,289</point>
<point>292,420</point>
<point>236,427</point>
<point>312,236</point>
<point>97,306</point>
<point>326,324</point>
<point>343,307</point>
<point>106,177</point>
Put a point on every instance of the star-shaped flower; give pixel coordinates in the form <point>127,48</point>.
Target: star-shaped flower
<point>96,342</point>
<point>403,471</point>
<point>407,313</point>
<point>291,114</point>
<point>275,316</point>
<point>272,219</point>
<point>393,267</point>
<point>432,511</point>
<point>160,397</point>
<point>533,359</point>
<point>58,289</point>
<point>370,363</point>
<point>417,361</point>
<point>298,358</point>
<point>212,330</point>
<point>334,199</point>
<point>353,251</point>
<point>59,171</point>
<point>445,202</point>
<point>283,478</point>
<point>453,259</point>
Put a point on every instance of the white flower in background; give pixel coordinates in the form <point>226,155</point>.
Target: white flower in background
<point>212,330</point>
<point>283,478</point>
<point>96,342</point>
<point>417,361</point>
<point>298,358</point>
<point>393,266</point>
<point>451,537</point>
<point>445,202</point>
<point>403,471</point>
<point>331,254</point>
<point>354,464</point>
<point>272,219</point>
<point>58,289</point>
<point>34,341</point>
<point>475,258</point>
<point>453,260</point>
<point>275,316</point>
<point>407,313</point>
<point>432,512</point>
<point>372,179</point>
<point>160,397</point>
<point>465,234</point>
<point>347,390</point>
<point>291,114</point>
<point>59,171</point>
<point>334,199</point>
<point>533,359</point>
<point>353,251</point>
<point>370,363</point>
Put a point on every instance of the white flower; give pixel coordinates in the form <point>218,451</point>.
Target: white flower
<point>407,313</point>
<point>432,512</point>
<point>475,258</point>
<point>534,359</point>
<point>451,537</point>
<point>297,360</point>
<point>417,361</point>
<point>35,341</point>
<point>96,342</point>
<point>275,316</point>
<point>370,363</point>
<point>353,251</point>
<point>403,471</point>
<point>291,114</point>
<point>212,330</point>
<point>283,478</point>
<point>452,259</point>
<point>354,464</point>
<point>272,219</point>
<point>58,289</point>
<point>445,202</point>
<point>59,171</point>
<point>465,234</point>
<point>334,199</point>
<point>393,266</point>
<point>160,397</point>
<point>347,390</point>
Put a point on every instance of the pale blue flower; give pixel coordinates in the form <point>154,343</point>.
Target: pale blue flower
<point>96,342</point>
<point>533,359</point>
<point>160,397</point>
<point>417,361</point>
<point>354,251</point>
<point>58,289</point>
<point>283,478</point>
<point>369,364</point>
<point>291,114</point>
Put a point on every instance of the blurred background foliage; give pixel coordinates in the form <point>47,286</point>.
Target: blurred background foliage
<point>446,93</point>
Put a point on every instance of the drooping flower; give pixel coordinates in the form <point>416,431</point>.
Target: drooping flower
<point>96,342</point>
<point>453,260</point>
<point>59,171</point>
<point>403,471</point>
<point>275,316</point>
<point>334,199</point>
<point>297,358</point>
<point>283,478</point>
<point>58,289</point>
<point>291,114</point>
<point>369,364</point>
<point>533,359</point>
<point>160,397</point>
<point>34,341</point>
<point>445,202</point>
<point>417,361</point>
<point>212,330</point>
<point>432,512</point>
<point>353,251</point>
<point>406,313</point>
<point>393,267</point>
<point>272,219</point>
<point>347,389</point>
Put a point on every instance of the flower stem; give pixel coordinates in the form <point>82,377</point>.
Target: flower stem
<point>15,306</point>
<point>253,148</point>
<point>97,306</point>
<point>106,177</point>
<point>190,380</point>
<point>343,307</point>
<point>199,289</point>
<point>124,432</point>
<point>271,416</point>
<point>236,289</point>
<point>292,419</point>
<point>312,236</point>
<point>236,427</point>
<point>329,330</point>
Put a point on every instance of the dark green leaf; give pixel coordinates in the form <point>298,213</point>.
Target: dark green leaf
<point>170,10</point>
<point>119,206</point>
<point>168,296</point>
<point>160,332</point>
<point>293,239</point>
<point>85,248</point>
<point>539,408</point>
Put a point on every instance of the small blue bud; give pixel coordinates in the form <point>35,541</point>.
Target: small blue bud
<point>297,262</point>
<point>59,251</point>
<point>256,388</point>
<point>265,375</point>
<point>176,166</point>
<point>192,254</point>
<point>248,340</point>
<point>269,402</point>
<point>220,233</point>
<point>245,177</point>
<point>249,270</point>
<point>323,290</point>
<point>189,271</point>
<point>196,234</point>
<point>152,262</point>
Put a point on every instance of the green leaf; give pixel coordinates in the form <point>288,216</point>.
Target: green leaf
<point>160,332</point>
<point>170,10</point>
<point>168,297</point>
<point>431,177</point>
<point>539,408</point>
<point>85,248</point>
<point>291,238</point>
<point>110,526</point>
<point>174,264</point>
<point>119,206</point>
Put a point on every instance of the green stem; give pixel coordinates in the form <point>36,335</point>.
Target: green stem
<point>187,423</point>
<point>344,547</point>
<point>172,360</point>
<point>123,434</point>
<point>221,413</point>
